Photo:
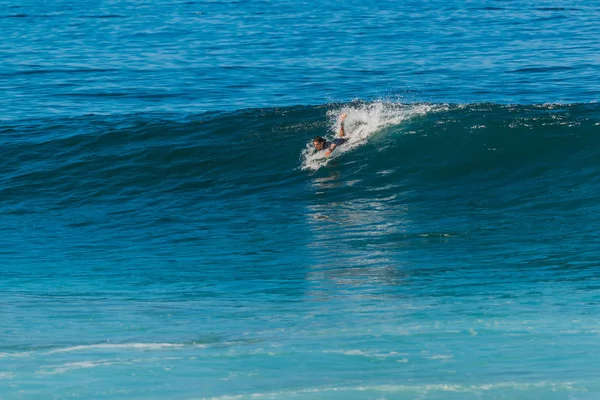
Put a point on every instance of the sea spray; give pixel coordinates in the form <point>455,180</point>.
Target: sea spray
<point>363,120</point>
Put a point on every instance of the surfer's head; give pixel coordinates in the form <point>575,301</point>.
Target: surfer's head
<point>319,143</point>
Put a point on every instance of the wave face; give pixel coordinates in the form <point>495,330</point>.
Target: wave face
<point>66,163</point>
<point>195,250</point>
<point>120,177</point>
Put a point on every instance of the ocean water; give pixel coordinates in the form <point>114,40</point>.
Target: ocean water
<point>166,231</point>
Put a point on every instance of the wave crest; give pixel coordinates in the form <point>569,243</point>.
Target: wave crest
<point>364,119</point>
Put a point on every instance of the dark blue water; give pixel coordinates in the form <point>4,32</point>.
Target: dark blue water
<point>166,230</point>
<point>75,58</point>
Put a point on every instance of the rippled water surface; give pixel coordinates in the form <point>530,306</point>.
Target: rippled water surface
<point>70,57</point>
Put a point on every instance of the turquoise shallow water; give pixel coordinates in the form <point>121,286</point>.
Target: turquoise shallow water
<point>165,232</point>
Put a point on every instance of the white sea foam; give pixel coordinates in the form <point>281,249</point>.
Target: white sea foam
<point>16,354</point>
<point>420,389</point>
<point>357,352</point>
<point>363,121</point>
<point>60,369</point>
<point>67,367</point>
<point>105,346</point>
<point>439,357</point>
<point>109,346</point>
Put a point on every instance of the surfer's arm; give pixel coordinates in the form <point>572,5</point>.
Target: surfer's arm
<point>342,132</point>
<point>332,148</point>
